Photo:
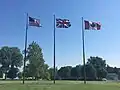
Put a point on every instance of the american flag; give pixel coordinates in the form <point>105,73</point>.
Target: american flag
<point>62,23</point>
<point>34,22</point>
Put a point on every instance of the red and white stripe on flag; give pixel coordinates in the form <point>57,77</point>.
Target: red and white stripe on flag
<point>34,22</point>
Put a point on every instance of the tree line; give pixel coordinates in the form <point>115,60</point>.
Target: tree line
<point>11,60</point>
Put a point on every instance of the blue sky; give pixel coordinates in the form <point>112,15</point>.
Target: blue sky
<point>104,43</point>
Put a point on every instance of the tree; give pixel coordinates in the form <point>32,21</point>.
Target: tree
<point>20,75</point>
<point>16,61</point>
<point>73,72</point>
<point>1,73</point>
<point>76,72</point>
<point>10,58</point>
<point>51,72</point>
<point>28,72</point>
<point>100,65</point>
<point>65,72</point>
<point>101,73</point>
<point>110,69</point>
<point>119,75</point>
<point>116,70</point>
<point>78,69</point>
<point>12,73</point>
<point>90,72</point>
<point>46,72</point>
<point>16,57</point>
<point>5,59</point>
<point>36,61</point>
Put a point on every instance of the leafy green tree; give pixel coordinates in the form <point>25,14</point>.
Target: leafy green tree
<point>1,73</point>
<point>51,72</point>
<point>73,72</point>
<point>28,72</point>
<point>10,58</point>
<point>101,73</point>
<point>12,73</point>
<point>16,61</point>
<point>5,59</point>
<point>110,69</point>
<point>100,65</point>
<point>20,75</point>
<point>16,57</point>
<point>76,71</point>
<point>90,72</point>
<point>65,72</point>
<point>46,74</point>
<point>116,70</point>
<point>119,75</point>
<point>36,61</point>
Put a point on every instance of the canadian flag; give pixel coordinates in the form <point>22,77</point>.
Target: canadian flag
<point>92,25</point>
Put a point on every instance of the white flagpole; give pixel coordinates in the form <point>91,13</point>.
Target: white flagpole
<point>54,48</point>
<point>25,51</point>
<point>83,41</point>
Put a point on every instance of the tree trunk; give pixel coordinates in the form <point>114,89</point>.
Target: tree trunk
<point>35,78</point>
<point>5,76</point>
<point>32,78</point>
<point>12,78</point>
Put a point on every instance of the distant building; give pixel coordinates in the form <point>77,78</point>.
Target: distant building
<point>112,76</point>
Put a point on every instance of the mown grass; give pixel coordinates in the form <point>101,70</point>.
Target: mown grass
<point>60,85</point>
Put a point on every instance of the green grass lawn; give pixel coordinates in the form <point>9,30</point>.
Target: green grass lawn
<point>60,85</point>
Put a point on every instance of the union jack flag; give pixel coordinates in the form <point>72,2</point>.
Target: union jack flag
<point>62,23</point>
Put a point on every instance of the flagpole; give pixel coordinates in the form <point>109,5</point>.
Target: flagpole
<point>83,41</point>
<point>54,49</point>
<point>25,51</point>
